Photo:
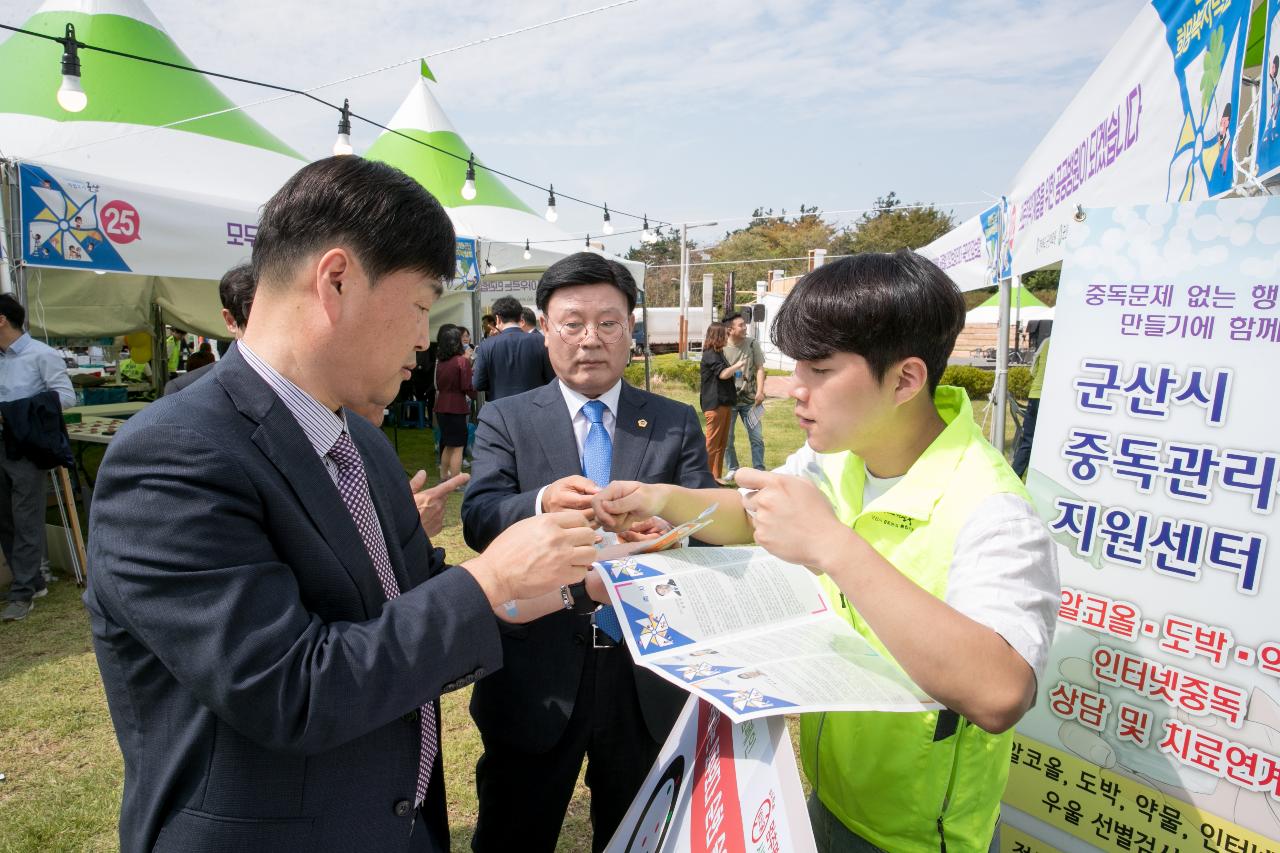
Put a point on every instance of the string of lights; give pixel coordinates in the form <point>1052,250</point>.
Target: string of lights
<point>72,98</point>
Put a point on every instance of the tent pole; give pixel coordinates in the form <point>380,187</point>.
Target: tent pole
<point>644,341</point>
<point>1002,365</point>
<point>11,238</point>
<point>159,358</point>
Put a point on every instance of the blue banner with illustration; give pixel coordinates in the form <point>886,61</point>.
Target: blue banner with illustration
<point>1156,122</point>
<point>466,275</point>
<point>64,224</point>
<point>1268,150</point>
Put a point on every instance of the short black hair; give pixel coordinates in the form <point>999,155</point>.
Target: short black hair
<point>11,309</point>
<point>883,307</point>
<point>528,317</point>
<point>507,309</point>
<point>448,343</point>
<point>736,315</point>
<point>585,268</point>
<point>236,291</point>
<point>380,214</point>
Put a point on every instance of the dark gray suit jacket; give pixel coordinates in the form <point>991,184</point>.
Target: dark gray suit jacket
<point>511,362</point>
<point>522,444</point>
<point>263,691</point>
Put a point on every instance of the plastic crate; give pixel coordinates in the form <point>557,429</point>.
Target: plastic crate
<point>102,396</point>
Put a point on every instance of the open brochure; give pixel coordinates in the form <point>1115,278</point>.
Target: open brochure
<point>751,634</point>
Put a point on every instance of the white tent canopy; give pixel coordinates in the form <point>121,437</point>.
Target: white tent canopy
<point>164,210</point>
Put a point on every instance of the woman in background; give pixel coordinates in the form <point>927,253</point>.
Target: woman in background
<point>453,399</point>
<point>718,394</point>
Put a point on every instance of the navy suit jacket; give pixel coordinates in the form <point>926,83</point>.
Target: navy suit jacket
<point>522,444</point>
<point>511,362</point>
<point>263,691</point>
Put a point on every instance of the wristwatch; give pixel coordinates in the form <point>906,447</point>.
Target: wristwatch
<point>582,603</point>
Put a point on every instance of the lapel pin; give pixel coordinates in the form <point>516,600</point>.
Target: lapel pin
<point>642,423</point>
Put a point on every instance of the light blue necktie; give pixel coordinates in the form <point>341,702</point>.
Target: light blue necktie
<point>597,463</point>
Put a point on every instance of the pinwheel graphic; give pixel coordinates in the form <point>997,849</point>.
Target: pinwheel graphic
<point>654,631</point>
<point>625,568</point>
<point>695,671</point>
<point>750,698</point>
<point>63,227</point>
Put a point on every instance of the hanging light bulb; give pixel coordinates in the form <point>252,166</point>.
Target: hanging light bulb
<point>552,216</point>
<point>608,226</point>
<point>588,242</point>
<point>469,185</point>
<point>71,96</point>
<point>527,253</point>
<point>645,235</point>
<point>489,268</point>
<point>342,145</point>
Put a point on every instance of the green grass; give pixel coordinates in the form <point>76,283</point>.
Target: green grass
<point>63,770</point>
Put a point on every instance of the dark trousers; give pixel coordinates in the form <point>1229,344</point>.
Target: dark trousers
<point>1022,453</point>
<point>22,504</point>
<point>523,796</point>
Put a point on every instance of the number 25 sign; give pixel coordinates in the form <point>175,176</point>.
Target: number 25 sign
<point>121,221</point>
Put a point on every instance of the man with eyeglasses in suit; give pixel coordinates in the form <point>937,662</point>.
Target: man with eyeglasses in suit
<point>568,688</point>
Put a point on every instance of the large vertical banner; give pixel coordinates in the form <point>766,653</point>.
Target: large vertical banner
<point>1156,463</point>
<point>1155,122</point>
<point>1268,159</point>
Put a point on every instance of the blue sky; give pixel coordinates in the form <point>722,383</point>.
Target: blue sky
<point>687,110</point>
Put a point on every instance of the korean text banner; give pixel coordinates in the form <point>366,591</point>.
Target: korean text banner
<point>719,787</point>
<point>71,220</point>
<point>1156,465</point>
<point>1156,122</point>
<point>967,252</point>
<point>466,273</point>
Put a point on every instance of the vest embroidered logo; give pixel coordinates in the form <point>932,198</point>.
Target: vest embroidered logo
<point>893,519</point>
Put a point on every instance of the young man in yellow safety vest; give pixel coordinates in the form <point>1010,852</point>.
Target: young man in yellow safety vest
<point>925,539</point>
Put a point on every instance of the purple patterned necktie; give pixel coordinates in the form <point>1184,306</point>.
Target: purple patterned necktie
<point>354,488</point>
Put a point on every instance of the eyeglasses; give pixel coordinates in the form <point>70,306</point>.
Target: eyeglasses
<point>607,332</point>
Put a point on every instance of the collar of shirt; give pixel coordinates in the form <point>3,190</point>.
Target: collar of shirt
<point>17,346</point>
<point>321,426</point>
<point>581,426</point>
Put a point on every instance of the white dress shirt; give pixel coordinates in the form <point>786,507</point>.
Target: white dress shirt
<point>1004,570</point>
<point>581,425</point>
<point>28,367</point>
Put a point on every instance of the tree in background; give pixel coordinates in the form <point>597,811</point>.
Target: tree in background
<point>783,241</point>
<point>893,226</point>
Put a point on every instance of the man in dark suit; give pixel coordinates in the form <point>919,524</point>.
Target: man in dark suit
<point>235,291</point>
<point>272,624</point>
<point>569,689</point>
<point>510,362</point>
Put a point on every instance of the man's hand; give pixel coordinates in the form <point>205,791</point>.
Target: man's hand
<point>624,503</point>
<point>430,502</point>
<point>650,528</point>
<point>793,520</point>
<point>535,556</point>
<point>759,394</point>
<point>570,493</point>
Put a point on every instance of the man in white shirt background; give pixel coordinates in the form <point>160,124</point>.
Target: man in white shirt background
<point>27,368</point>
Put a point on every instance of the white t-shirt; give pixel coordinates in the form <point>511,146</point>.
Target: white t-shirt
<point>1004,572</point>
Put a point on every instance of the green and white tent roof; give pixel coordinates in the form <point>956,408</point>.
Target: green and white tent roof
<point>133,128</point>
<point>1023,305</point>
<point>496,215</point>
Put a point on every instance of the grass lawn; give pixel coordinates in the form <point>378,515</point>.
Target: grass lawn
<point>63,771</point>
